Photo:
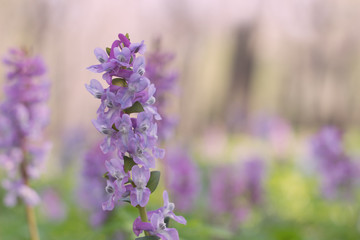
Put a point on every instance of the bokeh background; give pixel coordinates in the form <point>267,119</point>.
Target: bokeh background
<point>257,80</point>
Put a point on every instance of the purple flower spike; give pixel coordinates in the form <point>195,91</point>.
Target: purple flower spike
<point>24,115</point>
<point>140,194</point>
<point>338,173</point>
<point>128,119</point>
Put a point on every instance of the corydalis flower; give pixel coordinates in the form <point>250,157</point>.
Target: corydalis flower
<point>140,194</point>
<point>53,206</point>
<point>156,225</point>
<point>132,136</point>
<point>338,172</point>
<point>183,179</point>
<point>128,87</point>
<point>23,117</point>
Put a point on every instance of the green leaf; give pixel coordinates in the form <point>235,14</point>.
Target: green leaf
<point>114,127</point>
<point>108,50</point>
<point>148,238</point>
<point>106,175</point>
<point>127,36</point>
<point>154,180</point>
<point>119,82</point>
<point>135,108</point>
<point>128,163</point>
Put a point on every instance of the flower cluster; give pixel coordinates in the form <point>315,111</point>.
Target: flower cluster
<point>236,188</point>
<point>338,172</point>
<point>24,114</point>
<point>127,118</point>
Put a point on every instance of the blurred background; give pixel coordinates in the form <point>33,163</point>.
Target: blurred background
<point>264,90</point>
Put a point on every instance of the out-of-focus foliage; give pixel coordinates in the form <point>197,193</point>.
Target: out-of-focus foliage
<point>293,207</point>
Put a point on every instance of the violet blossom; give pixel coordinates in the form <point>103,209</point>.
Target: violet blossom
<point>166,83</point>
<point>182,179</point>
<point>236,189</point>
<point>23,117</point>
<point>156,225</point>
<point>140,194</point>
<point>53,206</point>
<point>338,173</point>
<point>91,188</point>
<point>274,129</point>
<point>128,120</point>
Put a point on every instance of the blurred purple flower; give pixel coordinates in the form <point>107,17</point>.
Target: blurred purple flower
<point>17,189</point>
<point>337,171</point>
<point>253,171</point>
<point>91,190</point>
<point>236,188</point>
<point>274,129</point>
<point>23,117</point>
<point>182,179</point>
<point>166,83</point>
<point>52,205</point>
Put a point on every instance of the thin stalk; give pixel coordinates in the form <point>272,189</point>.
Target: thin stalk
<point>30,213</point>
<point>143,216</point>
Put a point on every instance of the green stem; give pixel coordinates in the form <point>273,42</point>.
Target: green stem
<point>30,213</point>
<point>143,216</point>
